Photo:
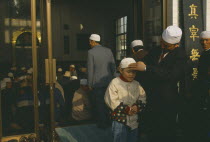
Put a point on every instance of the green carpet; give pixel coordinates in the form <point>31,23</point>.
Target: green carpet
<point>84,133</point>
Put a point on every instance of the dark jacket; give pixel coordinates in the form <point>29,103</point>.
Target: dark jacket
<point>203,85</point>
<point>204,68</point>
<point>164,75</point>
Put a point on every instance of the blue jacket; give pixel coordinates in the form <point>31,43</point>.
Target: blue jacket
<point>101,66</point>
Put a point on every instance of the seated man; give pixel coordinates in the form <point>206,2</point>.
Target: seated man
<point>81,109</point>
<point>72,70</point>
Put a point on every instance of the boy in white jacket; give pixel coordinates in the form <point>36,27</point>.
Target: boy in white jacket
<point>126,98</point>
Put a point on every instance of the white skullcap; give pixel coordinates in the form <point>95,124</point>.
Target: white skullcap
<point>23,68</point>
<point>29,71</point>
<point>10,74</point>
<point>136,43</point>
<point>83,81</point>
<point>22,78</point>
<point>95,37</point>
<point>172,34</point>
<point>125,62</point>
<point>60,70</point>
<point>205,34</point>
<point>72,66</point>
<point>3,85</point>
<point>13,68</point>
<point>73,78</point>
<point>67,74</point>
<point>7,80</point>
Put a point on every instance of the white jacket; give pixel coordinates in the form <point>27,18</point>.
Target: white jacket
<point>127,93</point>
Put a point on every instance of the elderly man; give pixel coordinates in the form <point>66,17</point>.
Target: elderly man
<point>81,107</point>
<point>101,70</point>
<point>73,70</point>
<point>165,71</point>
<point>204,65</point>
<point>203,94</point>
<point>138,50</point>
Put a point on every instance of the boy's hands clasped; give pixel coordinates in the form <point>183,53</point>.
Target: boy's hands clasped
<point>133,110</point>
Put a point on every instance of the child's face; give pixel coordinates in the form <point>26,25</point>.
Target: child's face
<point>128,74</point>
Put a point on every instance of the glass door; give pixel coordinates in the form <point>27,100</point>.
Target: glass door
<point>19,43</point>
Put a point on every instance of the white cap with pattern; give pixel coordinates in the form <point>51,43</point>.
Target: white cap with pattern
<point>95,37</point>
<point>172,34</point>
<point>126,62</point>
<point>136,43</point>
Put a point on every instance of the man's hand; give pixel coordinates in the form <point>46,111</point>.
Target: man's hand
<point>140,54</point>
<point>139,66</point>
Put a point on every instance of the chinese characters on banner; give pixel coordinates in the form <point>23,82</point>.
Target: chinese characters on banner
<point>193,26</point>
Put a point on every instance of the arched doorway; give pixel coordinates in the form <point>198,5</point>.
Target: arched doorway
<point>22,45</point>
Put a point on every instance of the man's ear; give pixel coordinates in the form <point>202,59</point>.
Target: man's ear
<point>177,45</point>
<point>120,70</point>
<point>133,51</point>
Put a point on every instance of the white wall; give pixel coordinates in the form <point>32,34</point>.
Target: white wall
<point>173,12</point>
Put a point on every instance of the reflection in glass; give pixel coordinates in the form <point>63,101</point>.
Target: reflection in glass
<point>17,100</point>
<point>152,23</point>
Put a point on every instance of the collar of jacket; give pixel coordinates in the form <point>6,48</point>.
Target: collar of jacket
<point>97,46</point>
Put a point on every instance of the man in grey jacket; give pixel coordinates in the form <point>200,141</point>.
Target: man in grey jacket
<point>101,70</point>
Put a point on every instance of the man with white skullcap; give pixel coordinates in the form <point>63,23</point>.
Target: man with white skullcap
<point>72,70</point>
<point>204,61</point>
<point>137,45</point>
<point>81,107</point>
<point>124,97</point>
<point>8,102</point>
<point>165,70</point>
<point>204,71</point>
<point>138,50</point>
<point>101,70</point>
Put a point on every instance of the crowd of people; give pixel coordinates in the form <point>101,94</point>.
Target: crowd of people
<point>150,97</point>
<point>17,99</point>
